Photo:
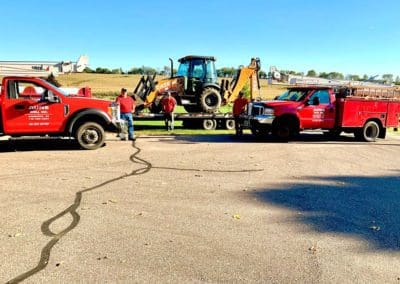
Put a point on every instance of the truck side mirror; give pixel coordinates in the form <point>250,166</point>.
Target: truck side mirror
<point>50,97</point>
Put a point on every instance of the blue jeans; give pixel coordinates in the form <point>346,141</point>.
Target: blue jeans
<point>127,116</point>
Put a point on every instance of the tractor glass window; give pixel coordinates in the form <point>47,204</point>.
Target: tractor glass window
<point>198,69</point>
<point>322,95</point>
<point>183,69</point>
<point>211,74</point>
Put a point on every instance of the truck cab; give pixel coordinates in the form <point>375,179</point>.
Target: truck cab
<point>31,106</point>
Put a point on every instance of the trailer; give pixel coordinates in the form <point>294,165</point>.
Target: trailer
<point>206,121</point>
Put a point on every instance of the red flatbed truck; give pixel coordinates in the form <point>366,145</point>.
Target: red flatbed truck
<point>365,111</point>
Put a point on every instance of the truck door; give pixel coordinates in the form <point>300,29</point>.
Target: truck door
<point>27,109</point>
<point>324,109</point>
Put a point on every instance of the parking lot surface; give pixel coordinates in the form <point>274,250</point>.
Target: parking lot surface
<point>200,209</point>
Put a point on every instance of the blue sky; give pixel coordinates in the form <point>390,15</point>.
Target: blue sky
<point>352,37</point>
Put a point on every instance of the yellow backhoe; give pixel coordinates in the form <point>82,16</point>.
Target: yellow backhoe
<point>196,86</point>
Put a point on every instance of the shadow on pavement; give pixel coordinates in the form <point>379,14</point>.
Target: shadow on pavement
<point>304,138</point>
<point>364,207</point>
<point>38,144</point>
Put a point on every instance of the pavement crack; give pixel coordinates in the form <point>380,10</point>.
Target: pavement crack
<point>72,209</point>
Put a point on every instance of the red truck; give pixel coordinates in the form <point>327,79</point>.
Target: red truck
<point>31,106</point>
<point>365,111</point>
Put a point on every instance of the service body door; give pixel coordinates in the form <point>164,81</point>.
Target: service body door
<point>27,112</point>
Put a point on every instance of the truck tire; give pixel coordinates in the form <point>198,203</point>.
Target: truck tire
<point>284,129</point>
<point>90,135</point>
<point>230,124</point>
<point>210,100</point>
<point>370,131</point>
<point>209,124</point>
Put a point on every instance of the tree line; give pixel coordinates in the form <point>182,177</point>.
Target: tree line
<point>228,72</point>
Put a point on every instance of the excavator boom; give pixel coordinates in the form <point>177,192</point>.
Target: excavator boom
<point>249,74</point>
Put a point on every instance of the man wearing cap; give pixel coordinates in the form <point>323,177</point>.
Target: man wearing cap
<point>127,106</point>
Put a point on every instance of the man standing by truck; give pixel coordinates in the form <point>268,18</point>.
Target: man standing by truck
<point>127,106</point>
<point>239,106</point>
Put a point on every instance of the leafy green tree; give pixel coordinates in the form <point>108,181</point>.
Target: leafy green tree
<point>103,70</point>
<point>88,70</point>
<point>323,75</point>
<point>353,77</point>
<point>335,76</point>
<point>226,72</point>
<point>311,73</point>
<point>388,78</point>
<point>52,80</point>
<point>365,77</point>
<point>262,74</point>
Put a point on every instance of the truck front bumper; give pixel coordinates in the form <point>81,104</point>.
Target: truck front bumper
<point>264,119</point>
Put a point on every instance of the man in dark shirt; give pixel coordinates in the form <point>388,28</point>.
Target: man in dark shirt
<point>127,106</point>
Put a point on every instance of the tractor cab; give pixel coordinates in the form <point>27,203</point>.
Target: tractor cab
<point>200,68</point>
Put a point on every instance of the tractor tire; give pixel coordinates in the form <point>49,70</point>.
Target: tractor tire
<point>90,135</point>
<point>370,131</point>
<point>209,124</point>
<point>210,100</point>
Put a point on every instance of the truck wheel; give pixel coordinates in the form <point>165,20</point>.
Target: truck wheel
<point>230,124</point>
<point>209,124</point>
<point>210,100</point>
<point>90,136</point>
<point>370,131</point>
<point>283,130</point>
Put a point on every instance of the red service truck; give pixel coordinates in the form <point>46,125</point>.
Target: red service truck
<point>31,106</point>
<point>365,111</point>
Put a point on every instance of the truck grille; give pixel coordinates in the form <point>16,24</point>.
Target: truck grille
<point>257,109</point>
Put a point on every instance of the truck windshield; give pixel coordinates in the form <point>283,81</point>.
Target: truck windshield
<point>293,95</point>
<point>58,89</point>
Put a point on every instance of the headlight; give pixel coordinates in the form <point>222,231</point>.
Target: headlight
<point>249,108</point>
<point>269,111</point>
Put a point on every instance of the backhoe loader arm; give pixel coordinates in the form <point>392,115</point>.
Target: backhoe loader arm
<point>230,90</point>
